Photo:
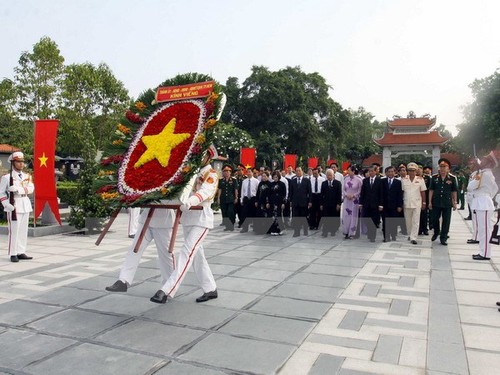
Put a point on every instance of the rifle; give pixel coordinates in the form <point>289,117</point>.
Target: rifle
<point>13,215</point>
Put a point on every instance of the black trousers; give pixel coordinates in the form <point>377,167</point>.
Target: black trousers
<point>228,214</point>
<point>299,218</point>
<point>371,218</point>
<point>330,220</point>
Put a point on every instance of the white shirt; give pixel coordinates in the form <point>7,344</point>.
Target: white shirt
<point>339,177</point>
<point>313,182</point>
<point>254,183</point>
<point>25,186</point>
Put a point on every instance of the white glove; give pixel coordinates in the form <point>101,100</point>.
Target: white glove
<point>7,207</point>
<point>13,189</point>
<point>185,207</point>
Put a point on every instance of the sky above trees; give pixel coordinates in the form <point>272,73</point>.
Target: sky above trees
<point>389,56</point>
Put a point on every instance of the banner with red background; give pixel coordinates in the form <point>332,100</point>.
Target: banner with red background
<point>290,160</point>
<point>247,157</point>
<point>43,167</point>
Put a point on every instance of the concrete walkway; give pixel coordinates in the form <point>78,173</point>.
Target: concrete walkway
<point>310,305</point>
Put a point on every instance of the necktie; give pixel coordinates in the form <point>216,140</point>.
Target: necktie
<point>329,183</point>
<point>316,185</point>
<point>371,182</point>
<point>298,180</point>
<point>390,182</point>
<point>249,191</point>
<point>20,176</point>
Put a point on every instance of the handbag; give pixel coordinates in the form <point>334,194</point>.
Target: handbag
<point>495,239</point>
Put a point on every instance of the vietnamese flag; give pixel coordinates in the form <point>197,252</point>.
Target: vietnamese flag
<point>312,163</point>
<point>247,157</point>
<point>290,160</point>
<point>345,165</point>
<point>43,167</point>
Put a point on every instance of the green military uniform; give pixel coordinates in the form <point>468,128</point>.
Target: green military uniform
<point>228,190</point>
<point>442,204</point>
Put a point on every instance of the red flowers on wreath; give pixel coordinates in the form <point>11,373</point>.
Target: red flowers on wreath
<point>114,159</point>
<point>196,150</point>
<point>210,108</point>
<point>132,117</point>
<point>179,179</point>
<point>128,199</point>
<point>105,189</point>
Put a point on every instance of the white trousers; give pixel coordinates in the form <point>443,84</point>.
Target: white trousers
<point>133,220</point>
<point>474,225</point>
<point>412,219</point>
<point>18,233</point>
<point>485,224</point>
<point>166,261</point>
<point>192,253</point>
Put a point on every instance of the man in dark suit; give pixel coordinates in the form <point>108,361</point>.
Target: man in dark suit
<point>331,199</point>
<point>392,200</point>
<point>370,201</point>
<point>300,198</point>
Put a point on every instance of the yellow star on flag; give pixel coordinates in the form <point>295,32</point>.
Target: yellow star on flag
<point>43,160</point>
<point>160,146</point>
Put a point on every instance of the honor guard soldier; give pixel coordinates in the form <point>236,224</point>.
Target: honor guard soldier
<point>14,190</point>
<point>227,196</point>
<point>442,198</point>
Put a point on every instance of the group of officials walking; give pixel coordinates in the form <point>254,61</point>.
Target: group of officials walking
<point>408,197</point>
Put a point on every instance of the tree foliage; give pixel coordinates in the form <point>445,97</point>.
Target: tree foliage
<point>482,116</point>
<point>228,139</point>
<point>87,100</point>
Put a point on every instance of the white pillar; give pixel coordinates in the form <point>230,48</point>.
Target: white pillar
<point>436,155</point>
<point>386,157</point>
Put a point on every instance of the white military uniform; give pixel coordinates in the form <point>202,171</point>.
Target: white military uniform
<point>160,230</point>
<point>195,225</point>
<point>18,230</point>
<point>468,199</point>
<point>412,203</point>
<point>484,189</point>
<point>133,220</point>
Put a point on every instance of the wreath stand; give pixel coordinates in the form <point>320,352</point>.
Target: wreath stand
<point>152,209</point>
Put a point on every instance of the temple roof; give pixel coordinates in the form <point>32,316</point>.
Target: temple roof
<point>411,122</point>
<point>8,149</point>
<point>431,138</point>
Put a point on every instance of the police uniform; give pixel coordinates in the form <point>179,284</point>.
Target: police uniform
<point>160,230</point>
<point>442,203</point>
<point>484,189</point>
<point>473,215</point>
<point>228,194</point>
<point>413,203</point>
<point>195,224</point>
<point>22,186</point>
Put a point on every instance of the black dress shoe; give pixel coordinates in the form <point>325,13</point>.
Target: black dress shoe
<point>498,303</point>
<point>471,241</point>
<point>24,256</point>
<point>479,257</point>
<point>159,297</point>
<point>207,296</point>
<point>426,233</point>
<point>434,236</point>
<point>14,258</point>
<point>444,243</point>
<point>468,218</point>
<point>413,242</point>
<point>118,286</point>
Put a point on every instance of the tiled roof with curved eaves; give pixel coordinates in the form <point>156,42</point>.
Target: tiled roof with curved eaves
<point>431,138</point>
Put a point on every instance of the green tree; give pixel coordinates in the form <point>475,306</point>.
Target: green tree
<point>482,116</point>
<point>37,79</point>
<point>92,102</point>
<point>228,140</point>
<point>292,106</point>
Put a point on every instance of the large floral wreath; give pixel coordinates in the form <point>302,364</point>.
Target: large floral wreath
<point>157,147</point>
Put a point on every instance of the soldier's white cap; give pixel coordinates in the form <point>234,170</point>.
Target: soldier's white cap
<point>16,156</point>
<point>412,167</point>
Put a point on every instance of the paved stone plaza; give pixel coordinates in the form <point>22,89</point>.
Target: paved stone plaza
<point>307,305</point>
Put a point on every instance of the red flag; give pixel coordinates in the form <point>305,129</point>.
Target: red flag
<point>43,167</point>
<point>330,161</point>
<point>312,162</point>
<point>247,157</point>
<point>345,165</point>
<point>290,160</point>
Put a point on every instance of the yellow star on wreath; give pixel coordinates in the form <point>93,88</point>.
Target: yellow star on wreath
<point>160,146</point>
<point>43,160</point>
